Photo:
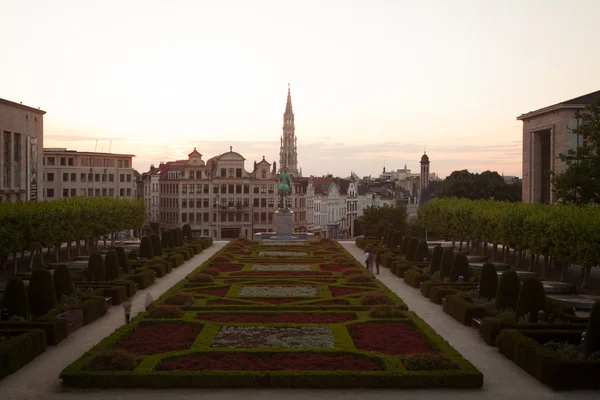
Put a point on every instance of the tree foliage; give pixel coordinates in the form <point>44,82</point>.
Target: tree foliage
<point>487,185</point>
<point>394,217</point>
<point>580,182</point>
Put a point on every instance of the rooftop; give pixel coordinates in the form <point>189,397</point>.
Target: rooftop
<point>575,103</point>
<point>24,107</point>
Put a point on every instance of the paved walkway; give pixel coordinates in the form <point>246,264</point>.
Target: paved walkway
<point>503,379</point>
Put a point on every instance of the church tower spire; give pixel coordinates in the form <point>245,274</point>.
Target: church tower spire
<point>288,155</point>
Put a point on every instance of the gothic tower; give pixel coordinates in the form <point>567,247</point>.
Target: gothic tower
<point>288,155</point>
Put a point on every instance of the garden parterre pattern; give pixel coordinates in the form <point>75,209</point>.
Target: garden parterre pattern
<point>278,317</point>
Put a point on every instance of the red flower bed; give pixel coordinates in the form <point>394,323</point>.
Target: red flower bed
<point>269,362</point>
<point>388,338</point>
<point>280,273</point>
<point>372,285</point>
<point>226,267</point>
<point>222,303</point>
<point>336,267</point>
<point>338,302</point>
<point>220,292</point>
<point>276,300</point>
<point>299,318</point>
<point>337,291</point>
<point>160,338</point>
<point>286,283</point>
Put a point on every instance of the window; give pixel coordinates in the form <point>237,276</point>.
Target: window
<point>255,189</point>
<point>111,192</point>
<point>119,163</point>
<point>191,188</point>
<point>128,178</point>
<point>263,202</point>
<point>71,162</point>
<point>97,177</point>
<point>122,178</point>
<point>83,177</point>
<point>214,217</point>
<point>246,217</point>
<point>51,163</point>
<point>65,193</point>
<point>199,188</point>
<point>184,203</point>
<point>17,160</point>
<point>256,217</point>
<point>215,189</point>
<point>263,173</point>
<point>82,192</point>
<point>256,202</point>
<point>231,173</point>
<point>246,189</point>
<point>223,188</point>
<point>263,188</point>
<point>206,191</point>
<point>271,202</point>
<point>205,203</point>
<point>198,217</point>
<point>223,172</point>
<point>191,217</point>
<point>73,192</point>
<point>238,188</point>
<point>90,192</point>
<point>271,189</point>
<point>246,202</point>
<point>90,177</point>
<point>111,177</point>
<point>206,217</point>
<point>104,192</point>
<point>231,188</point>
<point>238,172</point>
<point>184,217</point>
<point>65,177</point>
<point>128,192</point>
<point>126,163</point>
<point>50,192</point>
<point>122,192</point>
<point>199,203</point>
<point>238,202</point>
<point>198,174</point>
<point>63,161</point>
<point>103,177</point>
<point>184,189</point>
<point>50,176</point>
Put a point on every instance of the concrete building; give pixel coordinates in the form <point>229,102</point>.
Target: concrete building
<point>546,134</point>
<point>21,139</point>
<point>70,173</point>
<point>410,181</point>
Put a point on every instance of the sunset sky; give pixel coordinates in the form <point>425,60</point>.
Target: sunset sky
<point>372,81</point>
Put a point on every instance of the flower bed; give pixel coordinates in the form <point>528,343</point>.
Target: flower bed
<point>282,267</point>
<point>278,291</point>
<point>296,318</point>
<point>388,338</point>
<point>336,267</point>
<point>219,292</point>
<point>281,273</point>
<point>338,302</point>
<point>282,254</point>
<point>254,337</point>
<point>222,302</point>
<point>337,291</point>
<point>151,338</point>
<point>275,300</point>
<point>226,267</point>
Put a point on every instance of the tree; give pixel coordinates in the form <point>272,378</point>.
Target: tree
<point>394,217</point>
<point>488,184</point>
<point>580,182</point>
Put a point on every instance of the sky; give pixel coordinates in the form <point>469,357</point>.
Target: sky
<point>373,82</point>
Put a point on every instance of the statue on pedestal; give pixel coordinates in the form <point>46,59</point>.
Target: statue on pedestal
<point>284,190</point>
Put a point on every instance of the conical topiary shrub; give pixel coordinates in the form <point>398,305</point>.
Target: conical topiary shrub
<point>592,334</point>
<point>167,240</point>
<point>41,292</point>
<point>421,252</point>
<point>446,263</point>
<point>111,265</point>
<point>488,283</point>
<point>187,231</point>
<point>146,250</point>
<point>96,271</point>
<point>156,246</point>
<point>123,264</point>
<point>177,237</point>
<point>405,240</point>
<point>531,299</point>
<point>436,259</point>
<point>63,285</point>
<point>396,241</point>
<point>15,298</point>
<point>460,267</point>
<point>411,248</point>
<point>508,291</point>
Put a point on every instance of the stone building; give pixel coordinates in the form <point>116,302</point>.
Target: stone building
<point>21,141</point>
<point>218,197</point>
<point>546,134</point>
<point>70,173</point>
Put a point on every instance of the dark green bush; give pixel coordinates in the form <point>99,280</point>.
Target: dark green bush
<point>93,307</point>
<point>508,290</point>
<point>460,267</point>
<point>592,335</point>
<point>200,277</point>
<point>111,360</point>
<point>15,298</point>
<point>359,278</point>
<point>385,311</point>
<point>122,259</point>
<point>41,292</point>
<point>411,248</point>
<point>428,362</point>
<point>421,252</point>
<point>210,271</point>
<point>178,235</point>
<point>396,240</point>
<point>167,240</point>
<point>187,231</point>
<point>146,250</point>
<point>21,347</point>
<point>63,285</point>
<point>352,271</point>
<point>111,265</point>
<point>156,246</point>
<point>96,271</point>
<point>488,282</point>
<point>143,278</point>
<point>436,259</point>
<point>404,246</point>
<point>446,263</point>
<point>165,312</point>
<point>179,299</point>
<point>374,298</point>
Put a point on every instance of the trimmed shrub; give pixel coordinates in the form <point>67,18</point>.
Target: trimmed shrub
<point>592,335</point>
<point>508,290</point>
<point>165,312</point>
<point>15,298</point>
<point>404,246</point>
<point>96,271</point>
<point>352,271</point>
<point>422,251</point>
<point>385,311</point>
<point>187,231</point>
<point>179,299</point>
<point>488,282</point>
<point>167,240</point>
<point>531,299</point>
<point>111,360</point>
<point>93,308</point>
<point>374,298</point>
<point>359,278</point>
<point>411,248</point>
<point>177,237</point>
<point>436,259</point>
<point>63,285</point>
<point>111,265</point>
<point>156,246</point>
<point>41,292</point>
<point>446,263</point>
<point>199,277</point>
<point>460,267</point>
<point>210,271</point>
<point>20,348</point>
<point>428,362</point>
<point>146,250</point>
<point>221,258</point>
<point>122,259</point>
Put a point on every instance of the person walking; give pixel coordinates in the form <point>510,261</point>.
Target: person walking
<point>127,308</point>
<point>377,259</point>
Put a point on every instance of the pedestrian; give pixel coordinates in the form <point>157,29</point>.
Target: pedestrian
<point>127,308</point>
<point>149,300</point>
<point>378,260</point>
<point>367,255</point>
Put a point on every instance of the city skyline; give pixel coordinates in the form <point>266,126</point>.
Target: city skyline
<point>372,83</point>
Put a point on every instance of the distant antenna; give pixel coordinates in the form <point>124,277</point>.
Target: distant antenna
<point>109,146</point>
<point>95,147</point>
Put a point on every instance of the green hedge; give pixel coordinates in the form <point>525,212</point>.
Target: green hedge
<point>463,310</point>
<point>524,348</point>
<point>93,308</point>
<point>118,293</point>
<point>22,347</point>
<point>128,284</point>
<point>54,328</point>
<point>491,327</point>
<point>414,277</point>
<point>144,278</point>
<point>427,285</point>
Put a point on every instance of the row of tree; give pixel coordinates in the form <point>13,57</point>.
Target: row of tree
<point>32,226</point>
<point>567,233</point>
<point>464,184</point>
<point>375,220</point>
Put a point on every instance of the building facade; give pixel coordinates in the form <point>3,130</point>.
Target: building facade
<point>21,141</point>
<point>70,173</point>
<point>546,134</point>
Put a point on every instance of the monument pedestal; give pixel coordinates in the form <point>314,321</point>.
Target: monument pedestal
<point>284,222</point>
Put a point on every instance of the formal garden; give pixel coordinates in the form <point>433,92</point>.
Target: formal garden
<point>275,314</point>
<point>511,309</point>
<point>42,308</point>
